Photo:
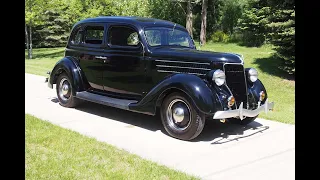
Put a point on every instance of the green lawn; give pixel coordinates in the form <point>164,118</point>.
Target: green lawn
<point>53,152</point>
<point>43,60</point>
<point>280,88</point>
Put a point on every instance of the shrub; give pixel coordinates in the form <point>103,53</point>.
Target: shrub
<point>219,36</point>
<point>236,37</point>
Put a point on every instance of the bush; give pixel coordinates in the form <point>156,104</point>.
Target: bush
<point>252,39</point>
<point>236,37</point>
<point>219,36</point>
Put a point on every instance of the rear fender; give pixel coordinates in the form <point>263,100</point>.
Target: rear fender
<point>70,66</point>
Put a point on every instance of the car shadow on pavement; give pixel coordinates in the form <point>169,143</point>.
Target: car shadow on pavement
<point>220,133</point>
<point>214,130</point>
<point>151,123</point>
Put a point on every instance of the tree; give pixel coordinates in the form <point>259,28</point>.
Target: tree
<point>253,23</point>
<point>189,22</point>
<point>282,33</point>
<point>203,32</point>
<point>214,16</point>
<point>55,31</point>
<point>178,11</point>
<point>27,41</point>
<point>29,16</point>
<point>33,11</point>
<point>132,8</point>
<point>232,11</point>
<point>189,15</point>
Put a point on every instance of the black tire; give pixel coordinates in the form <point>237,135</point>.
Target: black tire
<point>245,121</point>
<point>67,100</point>
<point>192,123</point>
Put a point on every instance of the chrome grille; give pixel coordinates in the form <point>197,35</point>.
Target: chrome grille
<point>170,66</point>
<point>235,79</point>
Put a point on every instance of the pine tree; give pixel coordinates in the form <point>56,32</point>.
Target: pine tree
<point>253,23</point>
<point>56,30</point>
<point>282,34</point>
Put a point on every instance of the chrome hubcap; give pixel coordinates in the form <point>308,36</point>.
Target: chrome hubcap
<point>178,115</point>
<point>64,89</point>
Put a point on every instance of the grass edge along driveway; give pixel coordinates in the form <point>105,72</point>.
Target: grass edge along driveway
<point>53,152</point>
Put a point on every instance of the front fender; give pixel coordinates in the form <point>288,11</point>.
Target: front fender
<point>254,90</point>
<point>204,98</point>
<point>70,66</point>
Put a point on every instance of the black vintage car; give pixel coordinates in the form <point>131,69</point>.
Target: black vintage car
<point>149,65</point>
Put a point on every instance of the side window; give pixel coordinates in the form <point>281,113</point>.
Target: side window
<point>76,38</point>
<point>93,35</point>
<point>123,36</point>
<point>153,37</point>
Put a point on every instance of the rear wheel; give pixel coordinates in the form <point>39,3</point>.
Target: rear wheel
<point>65,91</point>
<point>180,118</point>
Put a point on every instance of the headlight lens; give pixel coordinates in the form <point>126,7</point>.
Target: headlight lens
<point>219,77</point>
<point>253,74</point>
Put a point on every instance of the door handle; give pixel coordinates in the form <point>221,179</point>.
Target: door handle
<point>101,57</point>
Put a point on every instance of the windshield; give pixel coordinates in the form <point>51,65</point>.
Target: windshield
<point>159,36</point>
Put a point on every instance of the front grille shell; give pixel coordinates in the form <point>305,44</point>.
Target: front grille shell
<point>236,82</point>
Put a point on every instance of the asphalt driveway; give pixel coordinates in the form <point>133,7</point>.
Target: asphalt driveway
<point>262,150</point>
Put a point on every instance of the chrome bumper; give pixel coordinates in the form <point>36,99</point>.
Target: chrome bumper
<point>243,112</point>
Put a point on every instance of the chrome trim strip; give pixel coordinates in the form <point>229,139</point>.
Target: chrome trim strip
<point>183,67</point>
<point>242,113</point>
<point>245,80</point>
<point>179,72</point>
<point>169,61</point>
<point>225,83</point>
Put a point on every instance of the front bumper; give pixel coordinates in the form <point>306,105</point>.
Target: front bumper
<point>242,113</point>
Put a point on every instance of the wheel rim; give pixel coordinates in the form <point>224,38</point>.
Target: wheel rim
<point>178,115</point>
<point>64,89</point>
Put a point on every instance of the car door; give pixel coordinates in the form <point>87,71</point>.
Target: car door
<point>92,56</point>
<point>124,70</point>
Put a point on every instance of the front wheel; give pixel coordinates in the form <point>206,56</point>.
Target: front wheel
<point>65,91</point>
<point>180,118</point>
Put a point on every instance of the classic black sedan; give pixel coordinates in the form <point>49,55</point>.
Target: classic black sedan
<point>149,65</point>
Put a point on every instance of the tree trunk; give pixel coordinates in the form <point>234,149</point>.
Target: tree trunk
<point>203,32</point>
<point>27,38</point>
<point>189,18</point>
<point>30,49</point>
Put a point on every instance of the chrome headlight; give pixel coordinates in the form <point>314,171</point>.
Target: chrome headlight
<point>219,77</point>
<point>253,74</point>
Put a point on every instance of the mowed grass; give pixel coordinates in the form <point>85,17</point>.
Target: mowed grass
<point>279,87</point>
<point>43,60</point>
<point>53,152</point>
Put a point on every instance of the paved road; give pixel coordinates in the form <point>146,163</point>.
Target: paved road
<point>262,150</point>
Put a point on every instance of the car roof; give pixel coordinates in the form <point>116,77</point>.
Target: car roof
<point>140,21</point>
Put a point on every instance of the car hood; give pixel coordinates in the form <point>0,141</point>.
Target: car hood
<point>187,54</point>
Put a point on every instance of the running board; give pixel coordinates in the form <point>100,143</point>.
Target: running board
<point>109,101</point>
